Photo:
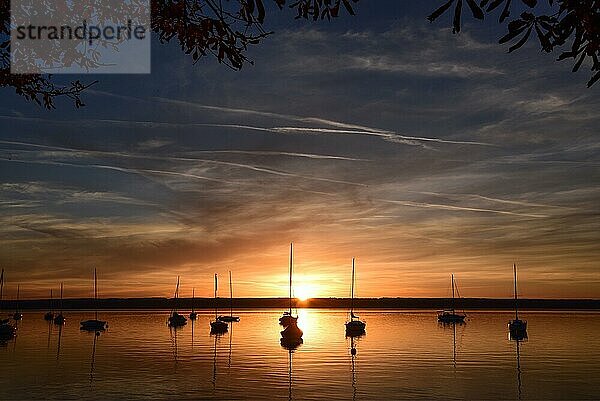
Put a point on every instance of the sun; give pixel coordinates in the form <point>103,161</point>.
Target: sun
<point>305,291</point>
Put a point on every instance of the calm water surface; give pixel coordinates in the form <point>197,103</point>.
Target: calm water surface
<point>404,355</point>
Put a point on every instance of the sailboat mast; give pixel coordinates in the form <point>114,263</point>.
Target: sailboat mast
<point>61,298</point>
<point>96,292</point>
<point>291,267</point>
<point>18,290</point>
<point>352,294</point>
<point>193,298</point>
<point>230,296</point>
<point>215,296</point>
<point>515,279</point>
<point>51,303</point>
<point>452,278</point>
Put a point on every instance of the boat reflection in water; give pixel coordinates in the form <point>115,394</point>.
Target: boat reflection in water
<point>58,343</point>
<point>452,325</point>
<point>518,339</point>
<point>173,335</point>
<point>217,337</point>
<point>354,340</point>
<point>93,358</point>
<point>291,345</point>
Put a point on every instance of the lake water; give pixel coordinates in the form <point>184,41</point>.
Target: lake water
<point>404,355</point>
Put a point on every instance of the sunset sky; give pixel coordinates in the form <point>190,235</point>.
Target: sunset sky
<point>381,137</point>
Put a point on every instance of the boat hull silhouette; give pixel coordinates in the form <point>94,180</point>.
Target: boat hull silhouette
<point>177,320</point>
<point>49,316</point>
<point>93,325</point>
<point>450,317</point>
<point>355,327</point>
<point>218,327</point>
<point>59,319</point>
<point>292,332</point>
<point>517,328</point>
<point>229,318</point>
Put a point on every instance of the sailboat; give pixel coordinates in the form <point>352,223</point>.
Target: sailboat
<point>450,315</point>
<point>230,318</point>
<point>217,326</point>
<point>17,315</point>
<point>354,327</point>
<point>7,330</point>
<point>94,324</point>
<point>176,320</point>
<point>193,314</point>
<point>287,317</point>
<point>49,316</point>
<point>60,319</point>
<point>517,327</point>
<point>291,336</point>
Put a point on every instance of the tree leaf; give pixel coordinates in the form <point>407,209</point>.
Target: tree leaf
<point>457,14</point>
<point>522,41</point>
<point>434,15</point>
<point>477,12</point>
<point>505,12</point>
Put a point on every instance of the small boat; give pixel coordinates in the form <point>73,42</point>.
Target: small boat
<point>60,319</point>
<point>450,315</point>
<point>517,327</point>
<point>17,315</point>
<point>354,327</point>
<point>49,316</point>
<point>94,324</point>
<point>230,318</point>
<point>193,314</point>
<point>176,319</point>
<point>217,326</point>
<point>287,317</point>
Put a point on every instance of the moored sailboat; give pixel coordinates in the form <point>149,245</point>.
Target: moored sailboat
<point>355,326</point>
<point>94,324</point>
<point>217,326</point>
<point>517,327</point>
<point>287,317</point>
<point>230,318</point>
<point>450,315</point>
<point>176,319</point>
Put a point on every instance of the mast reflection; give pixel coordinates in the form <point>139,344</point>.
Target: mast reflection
<point>93,358</point>
<point>518,338</point>
<point>291,345</point>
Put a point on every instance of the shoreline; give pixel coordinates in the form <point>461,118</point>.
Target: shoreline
<point>317,303</point>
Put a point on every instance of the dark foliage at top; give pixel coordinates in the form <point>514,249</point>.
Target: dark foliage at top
<point>573,25</point>
<point>226,29</point>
